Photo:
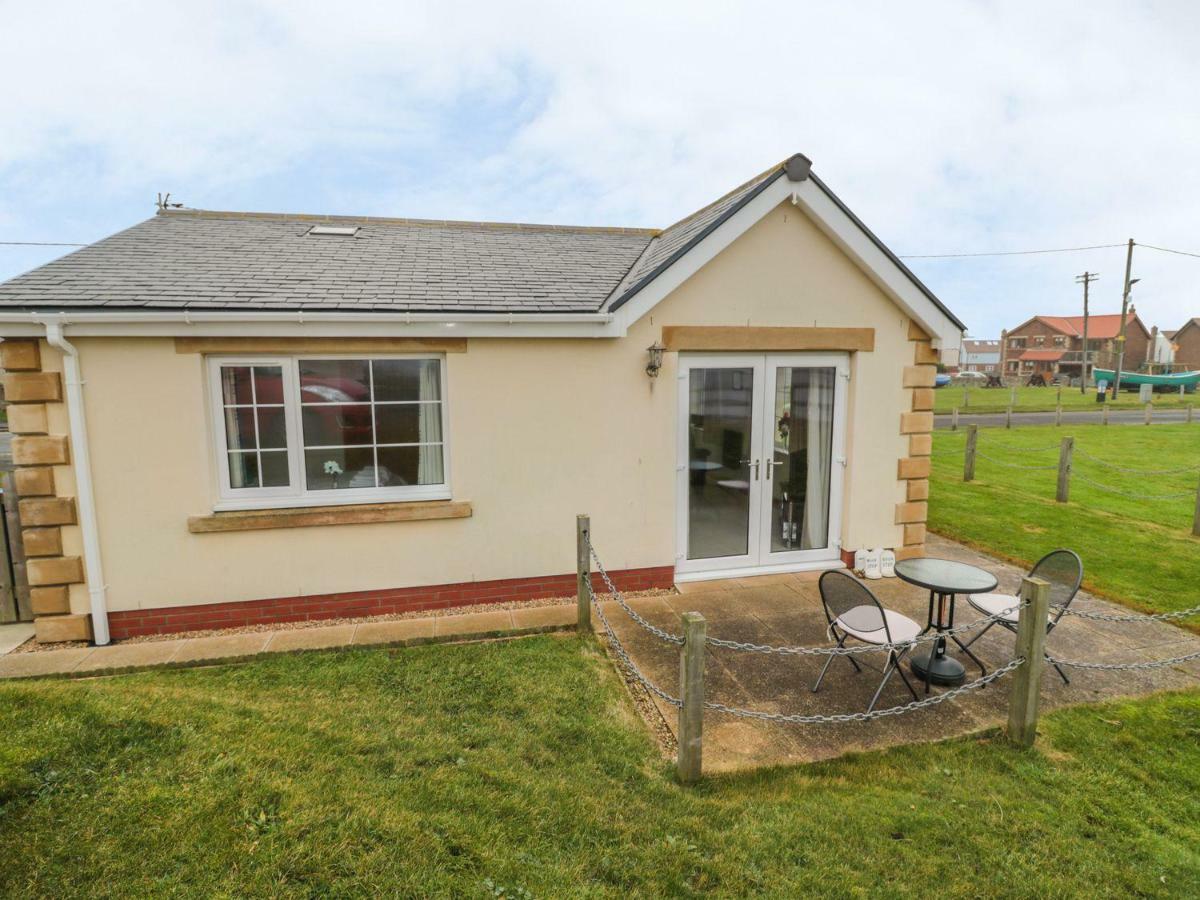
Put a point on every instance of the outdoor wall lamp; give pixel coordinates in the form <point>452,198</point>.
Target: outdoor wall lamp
<point>656,351</point>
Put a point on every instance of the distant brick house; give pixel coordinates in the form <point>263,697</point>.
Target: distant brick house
<point>1053,345</point>
<point>1187,346</point>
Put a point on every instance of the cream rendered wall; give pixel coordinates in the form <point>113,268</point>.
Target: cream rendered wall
<point>540,430</point>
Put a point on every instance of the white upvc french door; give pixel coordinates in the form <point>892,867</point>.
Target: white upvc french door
<point>761,461</point>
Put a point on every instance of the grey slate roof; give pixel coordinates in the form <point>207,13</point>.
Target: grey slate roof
<point>191,259</point>
<point>202,260</point>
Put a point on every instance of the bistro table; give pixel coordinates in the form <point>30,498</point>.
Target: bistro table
<point>944,578</point>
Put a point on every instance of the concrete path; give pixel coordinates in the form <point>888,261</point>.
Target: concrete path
<point>786,610</point>
<point>1069,417</point>
<point>126,657</point>
<point>13,636</point>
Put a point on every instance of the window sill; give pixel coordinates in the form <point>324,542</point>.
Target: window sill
<point>311,516</point>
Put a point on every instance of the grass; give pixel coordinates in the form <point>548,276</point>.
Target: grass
<point>973,399</point>
<point>517,769</point>
<point>1139,552</point>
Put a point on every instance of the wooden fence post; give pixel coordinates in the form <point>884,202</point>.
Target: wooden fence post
<point>16,549</point>
<point>1189,414</point>
<point>1012,396</point>
<point>1105,414</point>
<point>691,698</point>
<point>1196,517</point>
<point>1063,493</point>
<point>1008,418</point>
<point>969,453</point>
<point>1031,644</point>
<point>1149,412</point>
<point>1058,415</point>
<point>966,396</point>
<point>583,571</point>
<point>954,419</point>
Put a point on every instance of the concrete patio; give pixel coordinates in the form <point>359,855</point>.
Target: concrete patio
<point>786,610</point>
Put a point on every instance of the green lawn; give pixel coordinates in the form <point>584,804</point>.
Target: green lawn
<point>972,399</point>
<point>510,767</point>
<point>1140,552</point>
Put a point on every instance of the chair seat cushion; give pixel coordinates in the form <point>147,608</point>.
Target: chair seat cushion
<point>1003,605</point>
<point>902,628</point>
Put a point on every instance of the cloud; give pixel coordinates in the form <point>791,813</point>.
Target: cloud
<point>946,126</point>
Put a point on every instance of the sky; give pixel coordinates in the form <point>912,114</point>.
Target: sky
<point>947,127</point>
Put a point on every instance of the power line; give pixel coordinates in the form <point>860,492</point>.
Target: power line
<point>1169,250</point>
<point>1012,252</point>
<point>39,244</point>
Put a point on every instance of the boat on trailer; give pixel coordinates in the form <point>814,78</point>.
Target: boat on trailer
<point>1186,380</point>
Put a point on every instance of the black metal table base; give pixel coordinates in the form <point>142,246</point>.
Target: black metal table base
<point>935,667</point>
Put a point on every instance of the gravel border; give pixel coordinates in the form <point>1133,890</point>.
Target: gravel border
<point>33,646</point>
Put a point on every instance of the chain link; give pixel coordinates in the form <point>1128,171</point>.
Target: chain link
<point>629,611</point>
<point>839,718</point>
<point>1130,471</point>
<point>1009,465</point>
<point>927,637</point>
<point>1131,494</point>
<point>1135,617</point>
<point>1031,449</point>
<point>623,655</point>
<point>1158,664</point>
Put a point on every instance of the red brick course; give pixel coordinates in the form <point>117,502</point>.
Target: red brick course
<point>166,620</point>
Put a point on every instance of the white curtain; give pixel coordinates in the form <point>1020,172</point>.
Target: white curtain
<point>429,465</point>
<point>815,531</point>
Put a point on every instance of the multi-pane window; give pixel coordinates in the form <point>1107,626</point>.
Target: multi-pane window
<point>325,430</point>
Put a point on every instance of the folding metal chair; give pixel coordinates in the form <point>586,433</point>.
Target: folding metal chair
<point>854,612</point>
<point>1063,569</point>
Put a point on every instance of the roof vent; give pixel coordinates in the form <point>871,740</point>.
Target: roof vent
<point>334,230</point>
<point>797,167</point>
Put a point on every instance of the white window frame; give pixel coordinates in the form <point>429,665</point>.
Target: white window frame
<point>297,494</point>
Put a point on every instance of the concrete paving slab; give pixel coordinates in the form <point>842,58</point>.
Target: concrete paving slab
<point>310,638</point>
<point>14,635</point>
<point>54,662</point>
<point>393,632</point>
<point>222,646</point>
<point>788,613</point>
<point>127,656</point>
<point>560,616</point>
<point>473,624</point>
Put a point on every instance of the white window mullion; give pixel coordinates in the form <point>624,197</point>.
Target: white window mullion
<point>294,426</point>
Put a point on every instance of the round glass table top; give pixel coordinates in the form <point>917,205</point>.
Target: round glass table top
<point>945,575</point>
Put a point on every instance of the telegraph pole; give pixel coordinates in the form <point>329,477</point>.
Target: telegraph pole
<point>1124,313</point>
<point>1085,279</point>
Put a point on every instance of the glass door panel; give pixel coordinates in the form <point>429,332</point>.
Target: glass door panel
<point>720,458</point>
<point>800,463</point>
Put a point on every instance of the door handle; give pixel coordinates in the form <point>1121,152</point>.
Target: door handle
<point>771,464</point>
<point>751,462</point>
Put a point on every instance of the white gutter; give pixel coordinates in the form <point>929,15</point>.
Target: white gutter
<point>85,499</point>
<point>170,323</point>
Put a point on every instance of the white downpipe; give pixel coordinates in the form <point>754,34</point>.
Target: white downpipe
<point>85,499</point>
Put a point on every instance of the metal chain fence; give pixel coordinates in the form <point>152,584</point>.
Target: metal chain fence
<point>841,718</point>
<point>1134,617</point>
<point>629,611</point>
<point>623,655</point>
<point>1008,465</point>
<point>1131,471</point>
<point>1132,495</point>
<point>1155,664</point>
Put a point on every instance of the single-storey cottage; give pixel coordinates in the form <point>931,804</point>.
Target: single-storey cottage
<point>224,418</point>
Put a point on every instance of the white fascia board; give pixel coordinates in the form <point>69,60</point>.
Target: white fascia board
<point>839,227</point>
<point>312,324</point>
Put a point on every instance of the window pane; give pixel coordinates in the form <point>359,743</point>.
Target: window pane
<point>407,379</point>
<point>235,385</point>
<point>326,426</point>
<point>339,469</point>
<point>334,381</point>
<point>268,384</point>
<point>410,465</point>
<point>408,423</point>
<point>272,427</point>
<point>239,428</point>
<point>243,470</point>
<point>275,469</point>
